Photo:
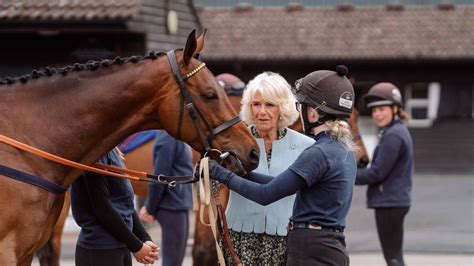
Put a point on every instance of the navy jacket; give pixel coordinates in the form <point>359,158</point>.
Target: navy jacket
<point>322,176</point>
<point>171,157</point>
<point>329,171</point>
<point>103,207</point>
<point>390,174</point>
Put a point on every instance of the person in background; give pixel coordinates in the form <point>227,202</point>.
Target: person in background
<point>323,175</point>
<point>110,228</point>
<point>259,232</point>
<point>389,177</point>
<point>232,85</point>
<point>170,206</point>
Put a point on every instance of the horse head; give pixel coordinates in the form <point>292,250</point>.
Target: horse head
<point>203,111</point>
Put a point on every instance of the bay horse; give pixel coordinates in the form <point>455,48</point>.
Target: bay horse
<point>83,111</point>
<point>50,253</point>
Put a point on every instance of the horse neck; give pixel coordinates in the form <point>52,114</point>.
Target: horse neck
<point>85,114</point>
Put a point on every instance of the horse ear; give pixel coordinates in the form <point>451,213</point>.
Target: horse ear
<point>190,47</point>
<point>200,41</point>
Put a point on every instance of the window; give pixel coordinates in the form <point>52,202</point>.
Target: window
<point>422,102</point>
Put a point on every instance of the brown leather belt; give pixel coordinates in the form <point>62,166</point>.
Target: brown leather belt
<point>301,225</point>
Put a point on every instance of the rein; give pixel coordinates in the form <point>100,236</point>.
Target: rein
<point>99,168</point>
<point>116,171</point>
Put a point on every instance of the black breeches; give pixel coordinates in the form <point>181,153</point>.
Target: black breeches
<point>174,230</point>
<point>316,247</point>
<point>99,257</point>
<point>390,230</point>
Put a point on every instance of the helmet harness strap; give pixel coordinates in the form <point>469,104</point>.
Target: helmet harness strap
<point>308,126</point>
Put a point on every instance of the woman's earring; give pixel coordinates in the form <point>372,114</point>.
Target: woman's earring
<point>281,118</point>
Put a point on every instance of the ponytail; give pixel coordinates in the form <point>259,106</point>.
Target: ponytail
<point>340,131</point>
<point>403,115</point>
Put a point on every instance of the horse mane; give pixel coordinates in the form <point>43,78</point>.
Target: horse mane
<point>90,65</point>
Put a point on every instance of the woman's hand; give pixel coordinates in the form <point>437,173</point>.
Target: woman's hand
<point>147,254</point>
<point>212,165</point>
<point>219,173</point>
<point>216,172</point>
<point>156,250</point>
<point>145,216</point>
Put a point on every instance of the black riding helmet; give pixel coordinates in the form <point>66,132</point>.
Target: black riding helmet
<point>382,94</point>
<point>331,93</point>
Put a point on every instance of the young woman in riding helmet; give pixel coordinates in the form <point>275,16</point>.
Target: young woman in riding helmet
<point>322,176</point>
<point>389,177</point>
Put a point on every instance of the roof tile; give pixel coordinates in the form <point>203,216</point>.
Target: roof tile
<point>327,33</point>
<point>67,10</point>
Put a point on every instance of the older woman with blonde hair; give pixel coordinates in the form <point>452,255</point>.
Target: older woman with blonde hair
<point>259,232</point>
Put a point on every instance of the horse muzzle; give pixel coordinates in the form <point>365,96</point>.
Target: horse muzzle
<point>231,161</point>
<point>242,167</point>
<point>254,158</point>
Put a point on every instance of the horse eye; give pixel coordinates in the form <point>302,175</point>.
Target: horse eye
<point>210,95</point>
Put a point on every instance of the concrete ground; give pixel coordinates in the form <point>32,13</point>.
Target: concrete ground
<point>369,259</point>
<point>439,228</point>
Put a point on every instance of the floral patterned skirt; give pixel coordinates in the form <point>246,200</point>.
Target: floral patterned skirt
<point>257,249</point>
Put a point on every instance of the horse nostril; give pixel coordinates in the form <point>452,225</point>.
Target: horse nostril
<point>254,157</point>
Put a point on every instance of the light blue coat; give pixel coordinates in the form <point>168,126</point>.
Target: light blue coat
<point>247,216</point>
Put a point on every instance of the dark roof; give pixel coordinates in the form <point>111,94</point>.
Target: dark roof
<point>223,3</point>
<point>253,33</point>
<point>67,10</point>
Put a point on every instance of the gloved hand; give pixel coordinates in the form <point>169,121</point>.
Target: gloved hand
<point>217,172</point>
<point>212,165</point>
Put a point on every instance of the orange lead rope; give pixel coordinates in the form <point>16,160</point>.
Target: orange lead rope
<point>204,190</point>
<point>133,175</point>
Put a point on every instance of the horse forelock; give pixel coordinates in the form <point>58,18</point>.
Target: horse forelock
<point>90,65</point>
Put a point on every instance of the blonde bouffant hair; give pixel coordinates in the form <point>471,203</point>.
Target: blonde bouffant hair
<point>274,89</point>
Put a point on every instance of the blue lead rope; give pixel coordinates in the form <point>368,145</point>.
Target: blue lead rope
<point>31,179</point>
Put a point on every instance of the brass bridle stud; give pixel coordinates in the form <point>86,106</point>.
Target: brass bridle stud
<point>194,71</point>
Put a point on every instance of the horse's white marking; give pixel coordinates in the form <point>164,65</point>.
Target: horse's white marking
<point>7,250</point>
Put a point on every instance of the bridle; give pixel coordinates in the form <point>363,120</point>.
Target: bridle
<point>187,101</point>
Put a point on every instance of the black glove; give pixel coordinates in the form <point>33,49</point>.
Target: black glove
<point>212,164</point>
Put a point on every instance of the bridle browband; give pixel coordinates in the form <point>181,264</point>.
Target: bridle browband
<point>187,101</point>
